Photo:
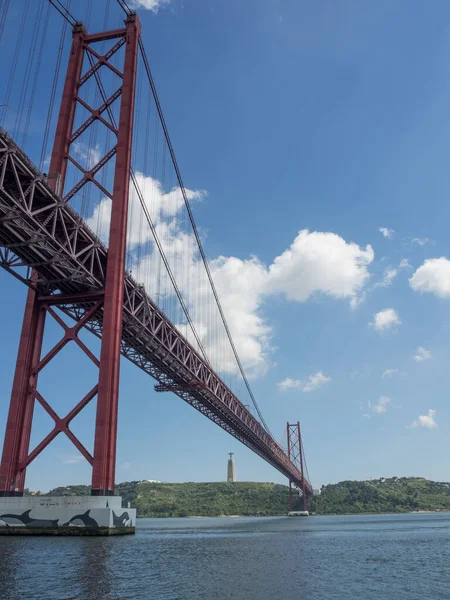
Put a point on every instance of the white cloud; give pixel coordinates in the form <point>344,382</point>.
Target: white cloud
<point>422,354</point>
<point>426,420</point>
<point>312,383</point>
<point>387,233</point>
<point>88,157</point>
<point>385,319</point>
<point>433,277</point>
<point>381,406</point>
<point>163,207</point>
<point>404,263</point>
<point>239,284</point>
<point>389,275</point>
<point>391,373</point>
<point>126,464</point>
<point>420,241</point>
<point>46,161</point>
<point>153,5</point>
<point>315,263</point>
<point>71,459</point>
<point>320,263</point>
<point>289,384</point>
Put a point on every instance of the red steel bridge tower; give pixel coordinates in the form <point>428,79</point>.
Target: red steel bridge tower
<point>16,456</point>
<point>295,453</point>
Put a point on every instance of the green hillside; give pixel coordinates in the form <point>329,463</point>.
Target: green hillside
<point>377,496</point>
<point>247,498</point>
<point>197,499</point>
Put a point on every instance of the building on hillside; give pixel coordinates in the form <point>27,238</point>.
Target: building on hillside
<point>149,481</point>
<point>392,479</point>
<point>231,471</point>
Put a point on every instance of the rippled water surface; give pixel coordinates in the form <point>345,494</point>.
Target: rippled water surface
<point>404,557</point>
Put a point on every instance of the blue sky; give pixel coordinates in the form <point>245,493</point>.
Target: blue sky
<point>325,118</point>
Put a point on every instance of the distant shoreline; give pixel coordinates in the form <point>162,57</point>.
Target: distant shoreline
<point>359,514</point>
<point>405,495</point>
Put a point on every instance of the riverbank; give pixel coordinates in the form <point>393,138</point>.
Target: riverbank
<point>214,499</point>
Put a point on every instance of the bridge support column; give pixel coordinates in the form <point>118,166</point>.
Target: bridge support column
<point>104,467</point>
<point>21,408</point>
<point>295,454</point>
<point>20,417</point>
<point>107,301</point>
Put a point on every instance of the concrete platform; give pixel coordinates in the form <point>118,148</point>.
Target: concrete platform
<point>66,515</point>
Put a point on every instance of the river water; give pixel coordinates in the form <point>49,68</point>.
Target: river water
<point>398,557</point>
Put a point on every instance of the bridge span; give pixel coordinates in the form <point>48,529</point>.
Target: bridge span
<point>42,233</point>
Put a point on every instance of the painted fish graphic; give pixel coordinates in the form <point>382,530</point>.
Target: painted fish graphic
<point>84,520</point>
<point>124,520</point>
<point>27,521</point>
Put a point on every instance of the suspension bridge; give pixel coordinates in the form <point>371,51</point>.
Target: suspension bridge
<point>100,228</point>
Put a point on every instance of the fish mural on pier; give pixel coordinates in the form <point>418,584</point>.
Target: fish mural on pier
<point>81,520</point>
<point>84,520</point>
<point>25,520</point>
<point>124,520</point>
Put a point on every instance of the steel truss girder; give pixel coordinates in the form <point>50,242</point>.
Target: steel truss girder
<point>149,339</point>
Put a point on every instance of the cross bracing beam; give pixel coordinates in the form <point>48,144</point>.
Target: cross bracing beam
<point>39,230</point>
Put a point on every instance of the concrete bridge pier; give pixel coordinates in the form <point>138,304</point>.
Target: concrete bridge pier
<point>65,515</point>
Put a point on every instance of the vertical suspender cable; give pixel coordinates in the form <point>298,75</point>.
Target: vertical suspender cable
<point>36,76</point>
<point>154,233</point>
<point>64,11</point>
<point>28,67</point>
<point>53,94</point>
<point>127,10</point>
<point>3,18</point>
<point>194,227</point>
<point>5,100</point>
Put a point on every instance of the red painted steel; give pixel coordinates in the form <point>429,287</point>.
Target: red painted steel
<point>291,498</point>
<point>301,465</point>
<point>295,454</point>
<point>20,416</point>
<point>108,388</point>
<point>16,456</point>
<point>58,162</point>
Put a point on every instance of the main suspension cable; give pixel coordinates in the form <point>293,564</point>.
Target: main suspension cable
<point>64,11</point>
<point>53,93</point>
<point>124,6</point>
<point>127,10</point>
<point>197,236</point>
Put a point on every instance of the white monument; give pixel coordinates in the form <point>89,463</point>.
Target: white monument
<point>231,473</point>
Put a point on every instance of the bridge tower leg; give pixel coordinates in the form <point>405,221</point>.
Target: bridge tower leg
<point>295,454</point>
<point>16,456</point>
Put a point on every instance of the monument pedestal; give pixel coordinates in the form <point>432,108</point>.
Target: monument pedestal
<point>66,515</point>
